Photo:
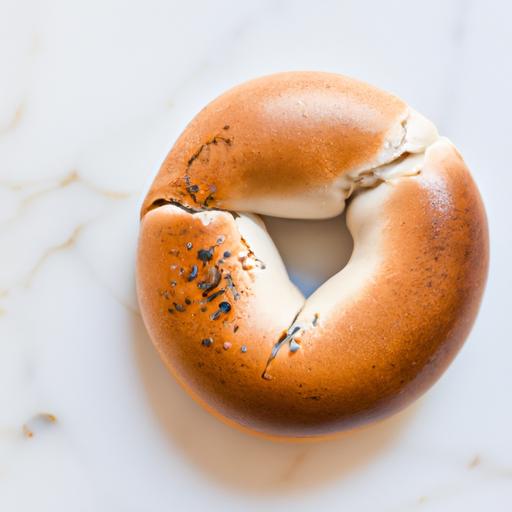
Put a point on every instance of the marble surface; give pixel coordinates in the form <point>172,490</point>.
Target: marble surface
<point>92,95</point>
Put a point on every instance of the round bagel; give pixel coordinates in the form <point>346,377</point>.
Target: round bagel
<point>214,292</point>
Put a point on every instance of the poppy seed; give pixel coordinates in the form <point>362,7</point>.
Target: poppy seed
<point>225,307</point>
<point>207,342</point>
<point>205,255</point>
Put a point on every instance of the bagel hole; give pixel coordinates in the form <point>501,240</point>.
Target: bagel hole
<point>312,250</point>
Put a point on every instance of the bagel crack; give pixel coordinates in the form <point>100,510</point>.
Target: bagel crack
<point>287,336</point>
<point>157,203</point>
<point>405,159</point>
<point>405,165</point>
<point>193,188</point>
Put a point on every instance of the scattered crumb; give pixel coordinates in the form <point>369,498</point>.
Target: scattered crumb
<point>28,429</point>
<point>474,462</point>
<point>27,432</point>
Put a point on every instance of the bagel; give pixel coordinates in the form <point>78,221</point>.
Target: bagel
<point>215,295</point>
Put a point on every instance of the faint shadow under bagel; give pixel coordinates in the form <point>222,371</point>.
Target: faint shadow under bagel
<point>244,463</point>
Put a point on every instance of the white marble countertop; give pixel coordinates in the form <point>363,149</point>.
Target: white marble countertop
<point>92,95</point>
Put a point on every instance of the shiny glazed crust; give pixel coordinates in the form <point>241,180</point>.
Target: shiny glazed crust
<point>216,299</point>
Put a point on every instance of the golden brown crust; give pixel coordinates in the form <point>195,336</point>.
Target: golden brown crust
<point>363,363</point>
<point>368,357</point>
<point>279,134</point>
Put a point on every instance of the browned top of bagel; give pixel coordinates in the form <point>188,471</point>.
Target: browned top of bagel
<point>276,135</point>
<point>217,302</point>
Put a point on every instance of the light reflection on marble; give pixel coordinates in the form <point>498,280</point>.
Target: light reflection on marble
<point>93,95</point>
